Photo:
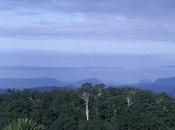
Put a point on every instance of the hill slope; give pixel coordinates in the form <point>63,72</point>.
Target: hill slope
<point>29,83</point>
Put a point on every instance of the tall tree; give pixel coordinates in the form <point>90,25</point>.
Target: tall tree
<point>86,91</point>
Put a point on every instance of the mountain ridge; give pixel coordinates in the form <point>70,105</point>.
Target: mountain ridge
<point>22,83</point>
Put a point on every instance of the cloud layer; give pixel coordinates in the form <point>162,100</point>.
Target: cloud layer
<point>99,19</point>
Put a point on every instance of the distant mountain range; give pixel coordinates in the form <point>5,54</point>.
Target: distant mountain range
<point>47,84</point>
<point>42,82</point>
<point>160,85</point>
<point>28,83</point>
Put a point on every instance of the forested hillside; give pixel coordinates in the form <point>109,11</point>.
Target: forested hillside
<point>90,108</point>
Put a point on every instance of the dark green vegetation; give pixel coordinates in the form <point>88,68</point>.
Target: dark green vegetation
<point>24,124</point>
<point>108,109</point>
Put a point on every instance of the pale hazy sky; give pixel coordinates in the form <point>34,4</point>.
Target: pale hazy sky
<point>112,26</point>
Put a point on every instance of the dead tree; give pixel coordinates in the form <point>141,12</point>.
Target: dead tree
<point>130,98</point>
<point>34,100</point>
<point>162,102</point>
<point>31,100</point>
<point>85,96</point>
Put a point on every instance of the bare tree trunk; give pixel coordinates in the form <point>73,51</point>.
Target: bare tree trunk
<point>161,101</point>
<point>85,97</point>
<point>130,99</point>
<point>31,100</point>
<point>87,110</point>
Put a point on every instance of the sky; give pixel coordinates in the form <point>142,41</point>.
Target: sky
<point>91,30</point>
<point>114,26</point>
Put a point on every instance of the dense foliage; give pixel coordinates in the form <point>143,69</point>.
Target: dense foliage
<point>108,109</point>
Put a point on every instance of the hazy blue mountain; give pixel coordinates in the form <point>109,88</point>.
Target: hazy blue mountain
<point>66,74</point>
<point>165,84</point>
<point>31,77</point>
<point>144,83</point>
<point>67,85</point>
<point>90,80</point>
<point>171,92</point>
<point>159,85</point>
<point>29,83</point>
<point>42,83</point>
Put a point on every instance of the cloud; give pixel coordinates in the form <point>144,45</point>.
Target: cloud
<point>78,26</point>
<point>169,67</point>
<point>129,7</point>
<point>97,20</point>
